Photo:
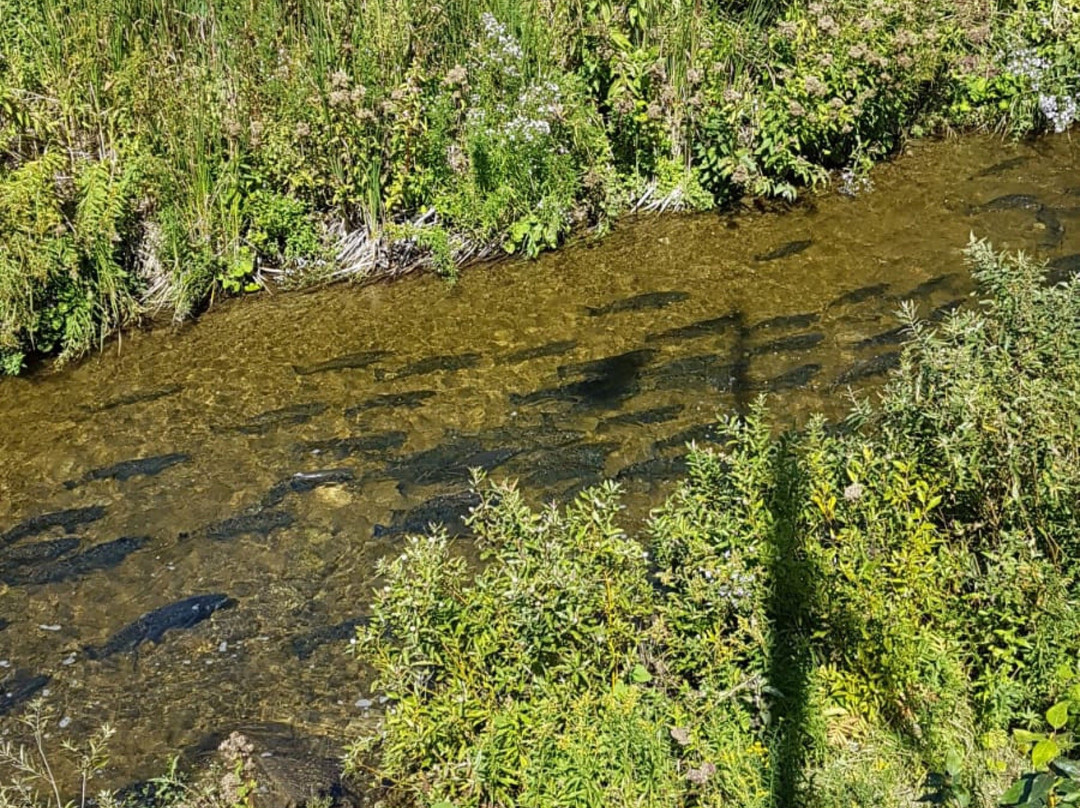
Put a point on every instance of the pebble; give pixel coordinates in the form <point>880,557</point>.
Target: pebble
<point>363,704</point>
<point>223,647</point>
<point>44,627</point>
<point>64,722</point>
<point>5,663</point>
<point>68,660</point>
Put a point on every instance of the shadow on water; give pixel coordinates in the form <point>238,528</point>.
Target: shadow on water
<point>791,608</point>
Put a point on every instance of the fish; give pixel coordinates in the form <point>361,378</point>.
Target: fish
<point>103,556</point>
<point>261,522</point>
<point>545,467</point>
<point>153,626</point>
<point>356,445</point>
<point>945,309</point>
<point>1001,168</point>
<point>793,379</point>
<point>407,401</point>
<point>550,349</point>
<point>1054,232</point>
<point>1059,270</point>
<point>140,397</point>
<point>4,623</point>
<point>712,371</point>
<point>861,294</point>
<point>448,363</point>
<point>353,361</point>
<point>448,510</point>
<point>608,366</point>
<point>306,644</point>
<point>656,415</point>
<point>796,342</point>
<point>38,552</point>
<point>787,321</point>
<point>785,250</point>
<point>1009,202</point>
<point>655,469</point>
<point>20,687</point>
<point>703,328</point>
<point>865,368</point>
<point>893,336</point>
<point>305,481</point>
<point>69,519</point>
<point>292,415</point>
<point>649,301</point>
<point>447,463</point>
<point>604,382</point>
<point>927,288</point>
<point>706,433</point>
<point>125,470</point>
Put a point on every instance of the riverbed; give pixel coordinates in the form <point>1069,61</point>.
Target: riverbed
<point>274,450</point>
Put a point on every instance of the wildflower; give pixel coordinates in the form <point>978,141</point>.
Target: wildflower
<point>731,95</point>
<point>339,98</point>
<point>1060,112</point>
<point>654,112</point>
<point>456,76</point>
<point>694,76</point>
<point>339,80</point>
<point>701,775</point>
<point>302,130</point>
<point>681,735</point>
<point>815,86</point>
<point>795,109</point>
<point>827,25</point>
<point>787,29</point>
<point>854,491</point>
<point>857,51</point>
<point>741,175</point>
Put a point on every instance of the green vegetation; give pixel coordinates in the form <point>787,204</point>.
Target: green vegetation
<point>154,153</point>
<point>833,617</point>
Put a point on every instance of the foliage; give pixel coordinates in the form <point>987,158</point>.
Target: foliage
<point>154,153</point>
<point>824,618</point>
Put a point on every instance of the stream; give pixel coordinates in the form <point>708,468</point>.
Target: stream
<point>273,451</point>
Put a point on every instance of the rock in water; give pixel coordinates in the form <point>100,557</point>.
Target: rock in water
<point>142,467</point>
<point>152,626</point>
<point>650,301</point>
<point>69,520</point>
<point>785,250</point>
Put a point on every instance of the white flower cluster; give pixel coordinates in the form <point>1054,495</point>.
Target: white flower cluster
<point>1061,111</point>
<point>498,46</point>
<point>531,119</point>
<point>1027,64</point>
<point>853,183</point>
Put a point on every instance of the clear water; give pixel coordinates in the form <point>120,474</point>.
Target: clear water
<point>203,391</point>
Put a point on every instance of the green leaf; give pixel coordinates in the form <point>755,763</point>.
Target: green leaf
<point>1044,752</point>
<point>640,675</point>
<point>953,763</point>
<point>1058,714</point>
<point>1066,768</point>
<point>1023,736</point>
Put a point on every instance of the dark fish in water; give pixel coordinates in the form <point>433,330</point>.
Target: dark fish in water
<point>68,519</point>
<point>3,624</point>
<point>406,401</point>
<point>784,250</point>
<point>1002,167</point>
<point>446,364</point>
<point>152,626</point>
<point>21,555</point>
<point>142,467</point>
<point>787,321</point>
<point>893,336</point>
<point>306,644</point>
<point>291,415</point>
<point>609,365</point>
<point>861,294</point>
<point>260,522</point>
<point>353,361</point>
<point>657,415</point>
<point>1054,232</point>
<point>865,368</point>
<point>793,379</point>
<point>796,342</point>
<point>1008,202</point>
<point>137,398</point>
<point>527,436</point>
<point>927,288</point>
<point>1063,269</point>
<point>448,510</point>
<point>450,462</point>
<point>359,444</point>
<point>655,469</point>
<point>644,302</point>
<point>704,328</point>
<point>707,370</point>
<point>99,557</point>
<point>304,481</point>
<point>540,351</point>
<point>700,433</point>
<point>20,687</point>
<point>1074,191</point>
<point>548,466</point>
<point>945,309</point>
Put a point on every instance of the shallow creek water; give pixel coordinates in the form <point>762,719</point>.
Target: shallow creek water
<point>600,360</point>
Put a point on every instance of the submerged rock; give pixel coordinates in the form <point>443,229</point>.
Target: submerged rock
<point>448,510</point>
<point>785,250</point>
<point>304,645</point>
<point>304,481</point>
<point>406,401</point>
<point>125,470</point>
<point>19,688</point>
<point>292,415</point>
<point>353,361</point>
<point>152,626</point>
<point>650,301</point>
<point>550,349</point>
<point>69,519</point>
<point>99,557</point>
<point>449,363</point>
<point>866,368</point>
<point>261,522</point>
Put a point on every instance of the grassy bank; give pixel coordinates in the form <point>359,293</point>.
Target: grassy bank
<point>873,616</point>
<point>157,153</point>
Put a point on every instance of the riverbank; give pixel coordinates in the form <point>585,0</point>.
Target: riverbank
<point>154,157</point>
